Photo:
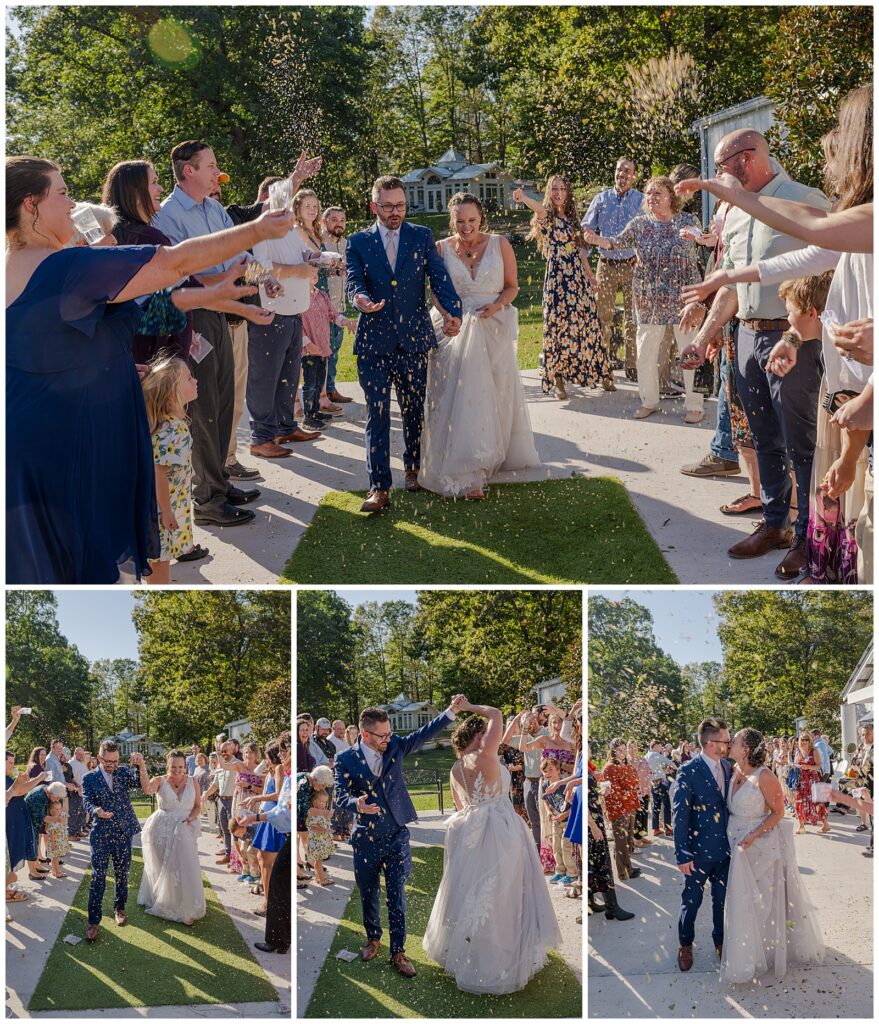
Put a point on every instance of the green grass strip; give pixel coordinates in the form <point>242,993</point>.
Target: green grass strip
<point>149,961</point>
<point>577,530</point>
<point>375,990</point>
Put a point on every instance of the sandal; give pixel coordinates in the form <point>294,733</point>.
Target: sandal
<point>742,506</point>
<point>193,554</point>
<point>14,896</point>
<point>299,885</point>
<point>256,890</point>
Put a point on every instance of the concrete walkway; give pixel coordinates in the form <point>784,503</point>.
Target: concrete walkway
<point>37,923</point>
<point>592,434</point>
<point>633,968</point>
<point>319,911</point>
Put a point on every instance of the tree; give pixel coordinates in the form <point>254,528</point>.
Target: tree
<point>326,680</point>
<point>269,709</point>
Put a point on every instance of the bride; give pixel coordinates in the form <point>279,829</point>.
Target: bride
<point>492,922</point>
<point>475,420</point>
<point>769,920</point>
<point>171,886</point>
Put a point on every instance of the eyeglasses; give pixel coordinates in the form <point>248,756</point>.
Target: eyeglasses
<point>391,208</point>
<point>723,743</point>
<point>738,152</point>
<point>379,735</point>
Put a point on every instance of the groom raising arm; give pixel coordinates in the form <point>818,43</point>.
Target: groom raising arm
<point>369,781</point>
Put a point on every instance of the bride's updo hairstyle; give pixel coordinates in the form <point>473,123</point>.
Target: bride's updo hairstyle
<point>466,732</point>
<point>756,745</point>
<point>172,755</point>
<point>458,199</point>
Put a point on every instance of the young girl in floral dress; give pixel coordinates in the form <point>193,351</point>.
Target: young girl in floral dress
<point>57,843</point>
<point>167,389</point>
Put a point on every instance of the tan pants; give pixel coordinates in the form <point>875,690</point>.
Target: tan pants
<point>613,277</point>
<point>562,850</point>
<point>667,359</point>
<point>623,842</point>
<point>239,354</point>
<point>864,532</point>
<point>649,342</point>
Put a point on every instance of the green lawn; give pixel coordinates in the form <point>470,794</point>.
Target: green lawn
<point>149,962</point>
<point>440,759</point>
<point>374,990</point>
<point>570,531</point>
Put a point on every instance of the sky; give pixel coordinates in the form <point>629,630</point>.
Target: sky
<point>356,597</point>
<point>684,621</point>
<point>98,622</point>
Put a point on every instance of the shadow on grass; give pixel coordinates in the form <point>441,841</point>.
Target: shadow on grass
<point>571,531</point>
<point>374,989</point>
<point>149,961</point>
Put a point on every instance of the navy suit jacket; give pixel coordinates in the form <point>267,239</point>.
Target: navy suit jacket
<point>354,778</point>
<point>97,794</point>
<point>699,813</point>
<point>404,322</point>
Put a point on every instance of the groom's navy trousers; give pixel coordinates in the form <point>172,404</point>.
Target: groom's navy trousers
<point>107,846</point>
<point>714,872</point>
<point>383,849</point>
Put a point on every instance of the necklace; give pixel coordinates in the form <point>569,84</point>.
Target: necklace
<point>469,252</point>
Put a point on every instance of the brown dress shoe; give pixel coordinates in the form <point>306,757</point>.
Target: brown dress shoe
<point>412,483</point>
<point>764,538</point>
<point>795,561</point>
<point>223,860</point>
<point>269,450</point>
<point>370,950</point>
<point>121,917</point>
<point>334,396</point>
<point>719,951</point>
<point>298,435</point>
<point>685,958</point>
<point>403,966</point>
<point>91,933</point>
<point>376,501</point>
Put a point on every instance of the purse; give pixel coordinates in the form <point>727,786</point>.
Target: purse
<point>793,777</point>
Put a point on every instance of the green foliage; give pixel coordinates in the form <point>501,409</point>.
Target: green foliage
<point>818,55</point>
<point>325,650</point>
<point>269,709</point>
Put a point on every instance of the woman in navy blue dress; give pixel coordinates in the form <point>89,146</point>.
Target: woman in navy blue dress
<point>79,467</point>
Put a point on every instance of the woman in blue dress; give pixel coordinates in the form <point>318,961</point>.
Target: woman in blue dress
<point>80,498</point>
<point>574,794</point>
<point>267,839</point>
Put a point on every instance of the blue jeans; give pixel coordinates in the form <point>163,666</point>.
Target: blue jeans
<point>274,352</point>
<point>314,372</point>
<point>661,799</point>
<point>337,336</point>
<point>722,443</point>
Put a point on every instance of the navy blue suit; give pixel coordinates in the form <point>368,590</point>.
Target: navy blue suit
<point>110,837</point>
<point>381,841</point>
<point>392,345</point>
<point>699,818</point>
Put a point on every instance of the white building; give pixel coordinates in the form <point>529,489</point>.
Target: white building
<point>406,715</point>
<point>129,743</point>
<point>429,189</point>
<point>856,700</point>
<point>239,730</point>
<point>550,691</point>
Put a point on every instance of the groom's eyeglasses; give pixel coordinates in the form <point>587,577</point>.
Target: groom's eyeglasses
<point>391,208</point>
<point>379,735</point>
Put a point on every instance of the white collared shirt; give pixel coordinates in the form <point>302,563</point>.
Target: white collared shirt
<point>372,757</point>
<point>107,778</point>
<point>716,768</point>
<point>384,232</point>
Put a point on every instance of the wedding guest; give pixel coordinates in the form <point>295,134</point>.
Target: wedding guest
<point>660,766</point>
<point>600,869</point>
<point>608,214</point>
<point>53,761</point>
<point>334,240</point>
<point>351,734</point>
<point>321,738</point>
<point>337,736</point>
<point>307,783</point>
<point>807,761</point>
<point>78,817</point>
<point>621,803</point>
<point>21,836</point>
<point>55,822</point>
<point>248,782</point>
<point>229,762</point>
<point>320,842</point>
<point>822,750</point>
<point>666,262</point>
<point>36,764</point>
<point>192,759</point>
<point>305,760</point>
<point>267,840</point>
<point>526,735</point>
<point>645,786</point>
<point>566,866</point>
<point>317,321</point>
<point>573,349</point>
<point>72,793</point>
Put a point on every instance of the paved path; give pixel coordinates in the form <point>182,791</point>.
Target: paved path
<point>633,964</point>
<point>319,911</point>
<point>592,434</point>
<point>37,923</point>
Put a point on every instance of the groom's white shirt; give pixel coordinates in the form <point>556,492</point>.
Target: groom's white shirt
<point>715,768</point>
<point>108,779</point>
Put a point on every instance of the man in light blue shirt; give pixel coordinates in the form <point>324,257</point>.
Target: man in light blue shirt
<point>191,764</point>
<point>189,212</point>
<point>609,212</point>
<point>822,750</point>
<point>53,761</point>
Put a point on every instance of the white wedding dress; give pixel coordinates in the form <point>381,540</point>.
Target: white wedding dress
<point>171,886</point>
<point>769,920</point>
<point>475,419</point>
<point>492,922</point>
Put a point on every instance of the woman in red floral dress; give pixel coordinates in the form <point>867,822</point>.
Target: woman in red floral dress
<point>807,811</point>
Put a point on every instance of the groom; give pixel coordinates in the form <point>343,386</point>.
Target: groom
<point>388,267</point>
<point>106,797</point>
<point>699,817</point>
<point>369,781</point>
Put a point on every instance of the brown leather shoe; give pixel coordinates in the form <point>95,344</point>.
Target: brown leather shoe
<point>121,917</point>
<point>795,561</point>
<point>269,450</point>
<point>764,538</point>
<point>370,950</point>
<point>412,483</point>
<point>334,396</point>
<point>685,958</point>
<point>223,860</point>
<point>376,501</point>
<point>403,966</point>
<point>91,933</point>
<point>719,951</point>
<point>298,435</point>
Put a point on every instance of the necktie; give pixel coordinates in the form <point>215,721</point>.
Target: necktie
<point>391,249</point>
<point>717,778</point>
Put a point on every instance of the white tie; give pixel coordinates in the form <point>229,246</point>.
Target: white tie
<point>391,249</point>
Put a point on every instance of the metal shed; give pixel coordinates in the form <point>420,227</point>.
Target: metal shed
<point>757,113</point>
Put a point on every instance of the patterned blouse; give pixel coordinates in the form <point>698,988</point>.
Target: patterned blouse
<point>623,797</point>
<point>666,263</point>
<point>172,448</point>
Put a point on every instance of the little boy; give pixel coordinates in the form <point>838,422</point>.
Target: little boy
<point>316,351</point>
<point>566,865</point>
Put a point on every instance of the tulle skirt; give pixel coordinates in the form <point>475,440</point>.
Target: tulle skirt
<point>769,920</point>
<point>493,923</point>
<point>171,886</point>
